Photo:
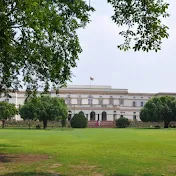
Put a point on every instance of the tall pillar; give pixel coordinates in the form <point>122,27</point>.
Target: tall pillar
<point>96,117</point>
<point>100,117</point>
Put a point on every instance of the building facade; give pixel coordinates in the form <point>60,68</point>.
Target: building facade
<point>97,102</point>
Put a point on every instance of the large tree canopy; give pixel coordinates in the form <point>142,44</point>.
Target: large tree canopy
<point>159,109</point>
<point>39,43</point>
<point>44,108</point>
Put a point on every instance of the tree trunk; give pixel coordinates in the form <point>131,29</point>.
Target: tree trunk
<point>166,124</point>
<point>3,123</point>
<point>44,124</point>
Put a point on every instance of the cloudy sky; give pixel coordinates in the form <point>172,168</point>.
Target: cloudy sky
<point>135,71</point>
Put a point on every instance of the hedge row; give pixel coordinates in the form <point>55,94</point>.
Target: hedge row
<point>32,124</point>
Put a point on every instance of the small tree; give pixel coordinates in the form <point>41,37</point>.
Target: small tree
<point>28,112</point>
<point>44,108</point>
<point>7,111</point>
<point>78,121</point>
<point>159,109</point>
<point>122,122</point>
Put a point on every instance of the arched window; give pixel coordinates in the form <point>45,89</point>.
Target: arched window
<point>104,116</point>
<point>69,115</point>
<point>92,115</point>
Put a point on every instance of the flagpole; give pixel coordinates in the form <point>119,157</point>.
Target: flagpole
<point>91,79</point>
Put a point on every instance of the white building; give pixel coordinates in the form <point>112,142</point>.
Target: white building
<point>97,102</point>
<point>103,102</point>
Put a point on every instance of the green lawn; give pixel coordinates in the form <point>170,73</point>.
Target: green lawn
<point>88,152</point>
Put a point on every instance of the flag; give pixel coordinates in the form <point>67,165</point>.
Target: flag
<point>91,78</point>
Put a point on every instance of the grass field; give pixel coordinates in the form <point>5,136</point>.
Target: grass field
<point>88,152</point>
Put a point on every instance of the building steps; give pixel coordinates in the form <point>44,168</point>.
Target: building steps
<point>103,124</point>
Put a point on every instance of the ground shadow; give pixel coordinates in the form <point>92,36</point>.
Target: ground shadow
<point>121,175</point>
<point>32,174</point>
<point>19,128</point>
<point>6,159</point>
<point>22,158</point>
<point>144,174</point>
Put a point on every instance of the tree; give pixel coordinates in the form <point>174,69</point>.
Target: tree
<point>159,109</point>
<point>39,41</point>
<point>142,20</point>
<point>44,108</point>
<point>7,111</point>
<point>78,121</point>
<point>122,122</point>
<point>40,45</point>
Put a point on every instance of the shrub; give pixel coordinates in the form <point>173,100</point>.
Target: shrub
<point>63,122</point>
<point>32,123</point>
<point>81,112</point>
<point>78,121</point>
<point>122,122</point>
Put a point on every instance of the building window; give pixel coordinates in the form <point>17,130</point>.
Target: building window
<point>79,101</point>
<point>142,103</point>
<point>134,104</point>
<point>134,115</point>
<point>68,101</point>
<point>87,115</point>
<point>121,102</point>
<point>90,100</point>
<point>111,102</point>
<point>100,101</point>
<point>92,115</point>
<point>104,116</point>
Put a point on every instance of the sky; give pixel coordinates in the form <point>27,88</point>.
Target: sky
<point>135,71</point>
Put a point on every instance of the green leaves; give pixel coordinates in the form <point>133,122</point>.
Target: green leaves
<point>7,110</point>
<point>143,22</point>
<point>38,41</point>
<point>79,121</point>
<point>44,108</point>
<point>159,109</point>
